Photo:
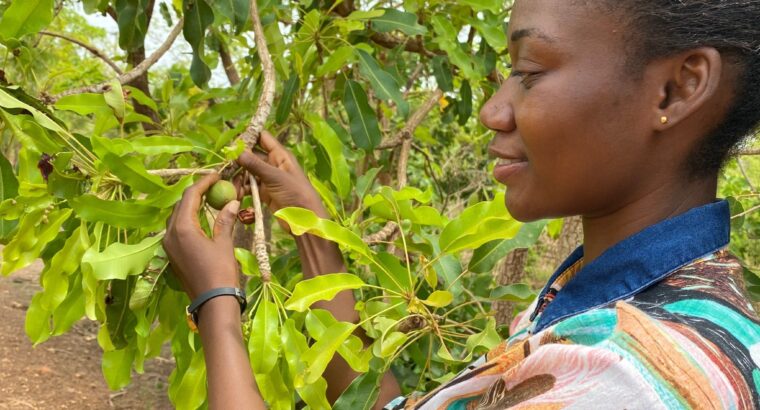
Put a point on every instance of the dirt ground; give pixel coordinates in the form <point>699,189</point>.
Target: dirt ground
<point>64,372</point>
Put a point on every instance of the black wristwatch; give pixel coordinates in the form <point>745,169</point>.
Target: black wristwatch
<point>192,308</point>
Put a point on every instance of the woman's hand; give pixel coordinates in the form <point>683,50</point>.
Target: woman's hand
<point>282,181</point>
<point>199,262</point>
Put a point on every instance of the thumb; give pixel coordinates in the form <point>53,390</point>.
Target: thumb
<point>225,221</point>
<point>257,166</point>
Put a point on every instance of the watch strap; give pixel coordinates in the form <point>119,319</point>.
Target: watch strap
<point>192,309</point>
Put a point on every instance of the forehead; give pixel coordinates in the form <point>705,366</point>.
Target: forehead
<point>568,23</point>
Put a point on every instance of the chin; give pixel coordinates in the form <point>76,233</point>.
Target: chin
<point>523,209</point>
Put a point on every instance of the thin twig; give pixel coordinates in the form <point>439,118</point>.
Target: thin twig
<point>179,172</point>
<point>92,49</point>
<point>748,152</point>
<point>744,173</point>
<point>129,76</point>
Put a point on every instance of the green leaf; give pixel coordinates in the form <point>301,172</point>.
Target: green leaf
<point>365,14</point>
<point>465,103</point>
<point>361,394</point>
<point>191,392</point>
<point>264,343</point>
<point>31,237</point>
<point>71,310</point>
<point>25,17</point>
<point>478,224</point>
<point>518,292</point>
<point>303,221</point>
<point>439,298</point>
<point>493,30</point>
<point>442,73</point>
<point>141,294</point>
<point>391,343</point>
<point>132,18</point>
<point>288,95</point>
<point>447,39</point>
<point>198,16</point>
<point>114,97</point>
<point>394,19</point>
<point>235,10</point>
<point>488,338</point>
<point>320,353</point>
<point>382,82</point>
<point>494,6</point>
<point>293,346</point>
<point>365,131</point>
<point>84,104</point>
<point>131,171</point>
<point>336,60</point>
<point>122,214</point>
<point>120,321</point>
<point>118,261</point>
<point>55,278</point>
<point>140,96</point>
<point>159,144</point>
<point>42,118</point>
<point>8,189</point>
<point>340,174</point>
<point>117,367</point>
<point>487,255</point>
<point>322,287</point>
<point>37,322</point>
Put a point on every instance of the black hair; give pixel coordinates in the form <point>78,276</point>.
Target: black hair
<point>660,28</point>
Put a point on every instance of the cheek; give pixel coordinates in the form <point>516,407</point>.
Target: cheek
<point>574,136</point>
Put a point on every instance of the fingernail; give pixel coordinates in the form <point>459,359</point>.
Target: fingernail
<point>234,206</point>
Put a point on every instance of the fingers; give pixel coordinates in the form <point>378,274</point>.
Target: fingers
<point>257,166</point>
<point>190,203</point>
<point>225,221</point>
<point>269,143</point>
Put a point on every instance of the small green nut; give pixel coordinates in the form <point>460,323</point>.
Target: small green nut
<point>220,194</point>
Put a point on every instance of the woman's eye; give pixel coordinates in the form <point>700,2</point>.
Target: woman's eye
<point>528,79</point>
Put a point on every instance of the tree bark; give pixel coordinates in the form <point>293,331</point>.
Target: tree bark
<point>511,270</point>
<point>134,58</point>
<point>229,66</point>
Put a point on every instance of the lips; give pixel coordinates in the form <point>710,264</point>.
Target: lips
<point>509,164</point>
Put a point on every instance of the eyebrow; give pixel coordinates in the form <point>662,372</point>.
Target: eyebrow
<point>530,32</point>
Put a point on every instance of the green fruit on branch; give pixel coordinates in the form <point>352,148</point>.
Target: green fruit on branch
<point>220,194</point>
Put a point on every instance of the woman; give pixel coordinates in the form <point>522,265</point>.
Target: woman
<point>622,111</point>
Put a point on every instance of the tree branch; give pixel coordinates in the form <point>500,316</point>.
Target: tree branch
<point>92,49</point>
<point>413,45</point>
<point>251,136</point>
<point>748,152</point>
<point>405,140</point>
<point>129,76</point>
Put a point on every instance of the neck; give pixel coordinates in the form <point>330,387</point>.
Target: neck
<point>603,230</point>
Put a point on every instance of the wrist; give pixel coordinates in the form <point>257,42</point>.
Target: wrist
<point>219,312</point>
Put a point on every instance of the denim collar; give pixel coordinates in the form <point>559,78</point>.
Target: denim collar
<point>637,262</point>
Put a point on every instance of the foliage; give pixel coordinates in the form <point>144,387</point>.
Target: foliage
<point>79,188</point>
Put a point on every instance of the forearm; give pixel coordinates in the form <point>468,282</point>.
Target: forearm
<point>230,380</point>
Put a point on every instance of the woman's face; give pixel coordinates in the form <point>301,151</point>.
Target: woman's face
<point>571,128</point>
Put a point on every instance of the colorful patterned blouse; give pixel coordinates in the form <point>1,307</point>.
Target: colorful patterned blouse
<point>659,321</point>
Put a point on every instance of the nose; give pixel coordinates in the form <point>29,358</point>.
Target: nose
<point>497,113</point>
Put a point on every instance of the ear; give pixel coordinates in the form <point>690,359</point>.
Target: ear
<point>691,79</point>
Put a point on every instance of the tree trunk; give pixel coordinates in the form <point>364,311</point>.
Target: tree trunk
<point>510,270</point>
<point>141,83</point>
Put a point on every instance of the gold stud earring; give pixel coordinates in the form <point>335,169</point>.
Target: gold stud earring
<point>664,120</point>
